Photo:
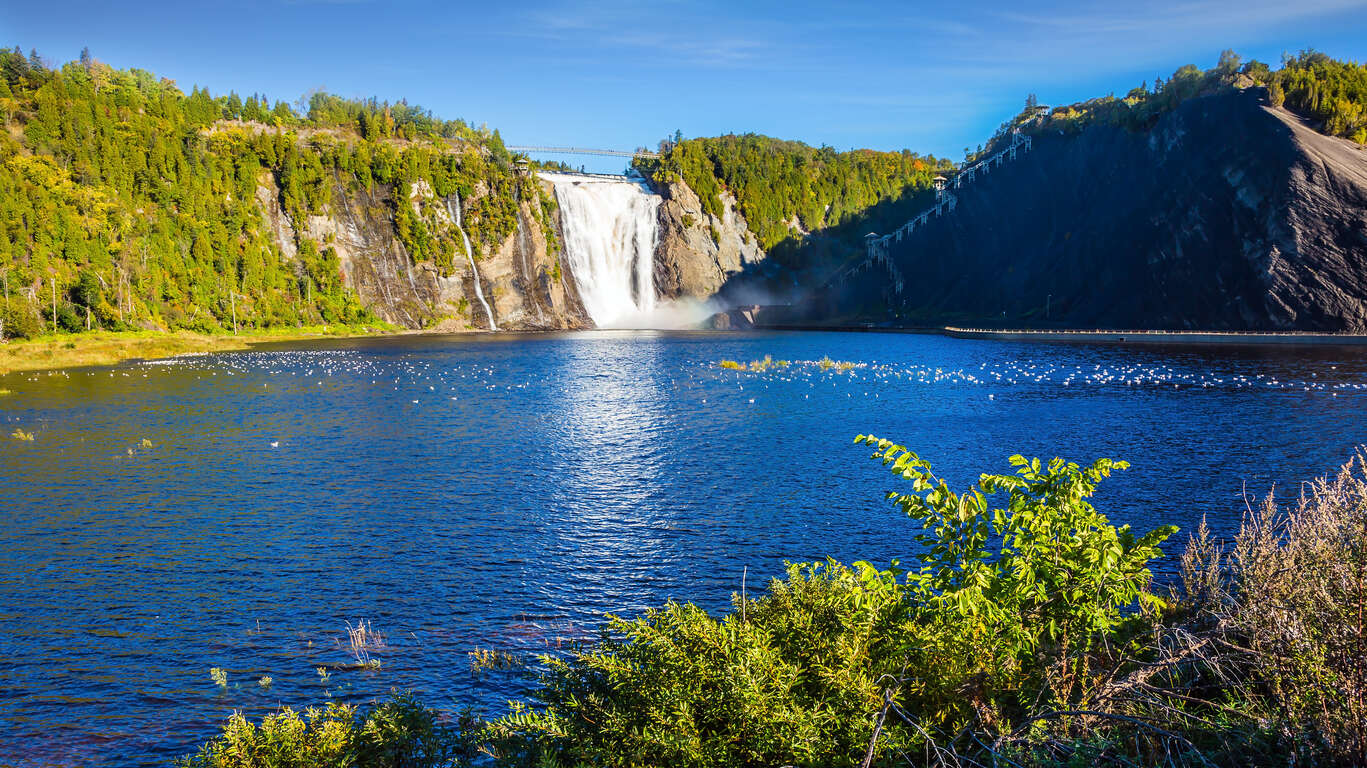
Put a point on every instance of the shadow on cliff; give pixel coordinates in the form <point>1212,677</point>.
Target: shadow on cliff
<point>793,281</point>
<point>1226,214</point>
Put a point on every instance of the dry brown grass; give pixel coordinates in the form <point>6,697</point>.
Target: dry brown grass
<point>363,639</point>
<point>1301,603</point>
<point>1278,622</point>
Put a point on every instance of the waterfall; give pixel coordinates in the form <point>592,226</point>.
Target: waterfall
<point>470,252</point>
<point>610,229</point>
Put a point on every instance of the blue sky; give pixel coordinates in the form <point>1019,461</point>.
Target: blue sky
<point>932,77</point>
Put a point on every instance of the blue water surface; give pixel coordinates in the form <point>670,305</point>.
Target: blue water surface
<point>508,491</point>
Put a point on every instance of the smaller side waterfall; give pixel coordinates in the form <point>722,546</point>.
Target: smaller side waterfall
<point>470,252</point>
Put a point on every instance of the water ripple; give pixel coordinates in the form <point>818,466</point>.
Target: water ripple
<point>507,493</point>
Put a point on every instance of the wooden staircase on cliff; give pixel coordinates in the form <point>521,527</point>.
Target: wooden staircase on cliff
<point>876,248</point>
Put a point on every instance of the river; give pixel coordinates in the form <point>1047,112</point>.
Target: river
<point>506,491</point>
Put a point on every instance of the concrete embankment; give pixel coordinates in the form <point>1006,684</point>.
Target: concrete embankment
<point>779,318</point>
<point>1159,337</point>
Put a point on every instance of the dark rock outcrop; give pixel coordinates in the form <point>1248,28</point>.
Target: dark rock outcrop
<point>1227,214</point>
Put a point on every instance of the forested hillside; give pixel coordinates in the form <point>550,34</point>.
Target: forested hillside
<point>1331,94</point>
<point>786,187</point>
<point>127,203</point>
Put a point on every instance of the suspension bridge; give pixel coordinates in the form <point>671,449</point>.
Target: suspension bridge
<point>540,150</point>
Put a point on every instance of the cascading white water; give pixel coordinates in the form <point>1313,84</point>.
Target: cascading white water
<point>610,231</point>
<point>470,252</point>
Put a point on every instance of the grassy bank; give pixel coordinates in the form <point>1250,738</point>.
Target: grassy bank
<point>109,347</point>
<point>1027,632</point>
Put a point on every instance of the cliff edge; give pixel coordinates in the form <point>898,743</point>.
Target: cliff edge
<point>1227,214</point>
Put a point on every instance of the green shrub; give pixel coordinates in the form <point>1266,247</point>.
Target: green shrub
<point>19,320</point>
<point>1012,601</point>
<point>69,319</point>
<point>1008,616</point>
<point>789,679</point>
<point>398,733</point>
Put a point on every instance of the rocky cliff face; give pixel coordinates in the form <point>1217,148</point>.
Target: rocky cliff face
<point>1227,214</point>
<point>525,280</point>
<point>521,279</point>
<point>697,252</point>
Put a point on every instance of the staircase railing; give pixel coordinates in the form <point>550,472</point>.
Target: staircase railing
<point>876,247</point>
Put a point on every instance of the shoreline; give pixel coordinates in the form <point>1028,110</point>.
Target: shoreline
<point>1251,338</point>
<point>56,352</point>
<point>79,350</point>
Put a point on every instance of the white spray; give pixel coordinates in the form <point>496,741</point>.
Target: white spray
<point>610,235</point>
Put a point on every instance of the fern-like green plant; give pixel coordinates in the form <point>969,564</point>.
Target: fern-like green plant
<point>1025,588</point>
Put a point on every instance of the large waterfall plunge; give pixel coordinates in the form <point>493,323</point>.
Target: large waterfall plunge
<point>610,235</point>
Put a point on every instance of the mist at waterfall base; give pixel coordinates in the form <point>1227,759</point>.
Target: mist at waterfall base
<point>611,228</point>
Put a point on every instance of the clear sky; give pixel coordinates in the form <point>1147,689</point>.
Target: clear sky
<point>932,77</point>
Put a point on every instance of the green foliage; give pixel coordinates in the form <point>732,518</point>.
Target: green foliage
<point>142,204</point>
<point>1026,590</point>
<point>1138,110</point>
<point>778,184</point>
<point>788,679</point>
<point>398,733</point>
<point>1047,554</point>
<point>18,320</point>
<point>1331,92</point>
<point>372,119</point>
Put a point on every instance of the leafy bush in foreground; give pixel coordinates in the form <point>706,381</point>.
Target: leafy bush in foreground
<point>788,679</point>
<point>1017,606</point>
<point>398,733</point>
<point>1024,635</point>
<point>1006,618</point>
